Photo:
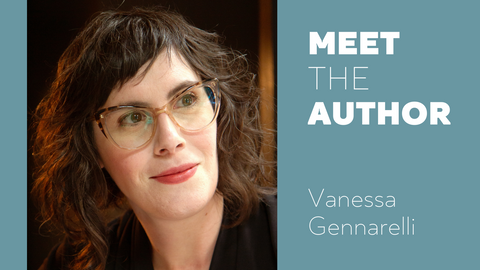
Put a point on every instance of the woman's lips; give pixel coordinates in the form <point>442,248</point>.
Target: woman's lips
<point>176,175</point>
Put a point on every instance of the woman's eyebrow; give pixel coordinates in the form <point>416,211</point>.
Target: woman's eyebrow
<point>181,86</point>
<point>136,103</point>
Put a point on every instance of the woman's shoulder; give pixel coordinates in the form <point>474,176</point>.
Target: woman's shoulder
<point>60,256</point>
<point>268,203</point>
<point>63,253</point>
<point>269,199</point>
<point>253,243</point>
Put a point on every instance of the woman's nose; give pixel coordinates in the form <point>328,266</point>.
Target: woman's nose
<point>168,138</point>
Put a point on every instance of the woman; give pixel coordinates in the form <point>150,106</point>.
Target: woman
<point>149,111</point>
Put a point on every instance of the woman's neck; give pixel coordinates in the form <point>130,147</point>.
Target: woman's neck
<point>188,243</point>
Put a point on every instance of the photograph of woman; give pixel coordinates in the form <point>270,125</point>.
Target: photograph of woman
<point>147,149</point>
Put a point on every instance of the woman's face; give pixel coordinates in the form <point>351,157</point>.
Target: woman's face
<point>175,175</point>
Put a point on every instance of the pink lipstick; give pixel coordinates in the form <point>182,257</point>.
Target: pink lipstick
<point>176,175</point>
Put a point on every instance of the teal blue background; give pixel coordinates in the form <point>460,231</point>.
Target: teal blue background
<point>431,170</point>
<point>13,135</point>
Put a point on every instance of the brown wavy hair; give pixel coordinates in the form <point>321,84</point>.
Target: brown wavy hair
<point>71,188</point>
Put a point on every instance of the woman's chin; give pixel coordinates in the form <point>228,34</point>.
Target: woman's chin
<point>178,207</point>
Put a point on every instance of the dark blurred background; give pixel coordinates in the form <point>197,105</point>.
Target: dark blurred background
<point>248,26</point>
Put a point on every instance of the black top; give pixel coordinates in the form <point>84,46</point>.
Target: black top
<point>249,246</point>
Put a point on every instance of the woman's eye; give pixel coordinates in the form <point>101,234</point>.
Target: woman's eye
<point>136,117</point>
<point>133,118</point>
<point>186,100</point>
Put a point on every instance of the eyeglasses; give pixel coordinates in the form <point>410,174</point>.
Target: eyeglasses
<point>131,127</point>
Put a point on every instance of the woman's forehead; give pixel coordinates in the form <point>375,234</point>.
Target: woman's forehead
<point>157,80</point>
